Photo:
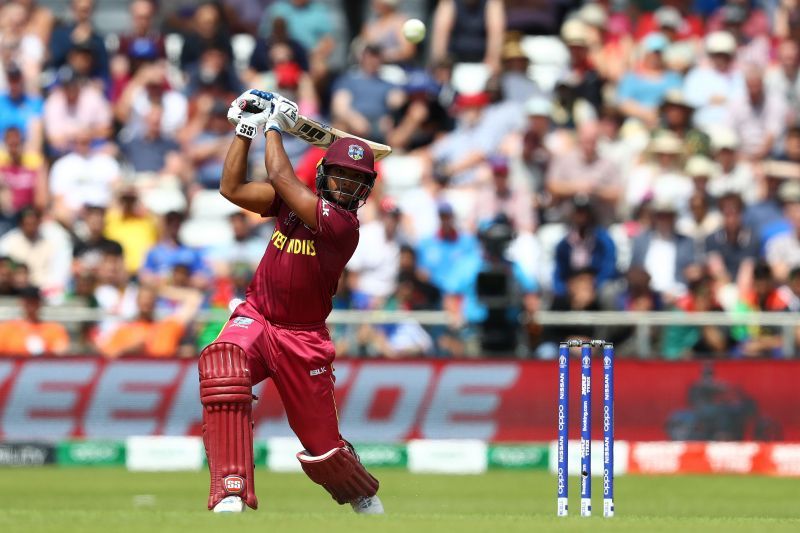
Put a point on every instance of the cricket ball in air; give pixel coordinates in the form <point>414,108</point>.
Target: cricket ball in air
<point>414,30</point>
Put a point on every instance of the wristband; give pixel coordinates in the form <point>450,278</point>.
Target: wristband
<point>246,130</point>
<point>273,126</point>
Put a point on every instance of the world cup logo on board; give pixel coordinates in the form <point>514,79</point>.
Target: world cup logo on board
<point>587,362</point>
<point>562,361</point>
<point>606,362</point>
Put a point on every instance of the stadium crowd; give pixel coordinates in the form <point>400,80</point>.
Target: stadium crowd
<point>548,155</point>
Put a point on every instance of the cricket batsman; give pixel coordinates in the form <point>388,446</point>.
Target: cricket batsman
<point>279,331</point>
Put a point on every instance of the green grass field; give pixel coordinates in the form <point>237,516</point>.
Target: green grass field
<point>110,500</point>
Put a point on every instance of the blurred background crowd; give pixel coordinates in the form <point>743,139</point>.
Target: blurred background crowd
<point>624,155</point>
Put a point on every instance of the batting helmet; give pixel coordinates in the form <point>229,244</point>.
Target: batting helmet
<point>353,154</point>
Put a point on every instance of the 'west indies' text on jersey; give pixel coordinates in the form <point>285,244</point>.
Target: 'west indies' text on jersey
<point>295,282</point>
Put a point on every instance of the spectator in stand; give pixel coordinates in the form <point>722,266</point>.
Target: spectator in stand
<point>700,221</point>
<point>517,86</point>
<point>489,291</point>
<point>37,22</point>
<point>91,244</point>
<point>43,247</point>
<point>501,196</point>
<point>584,171</point>
<point>783,78</point>
<point>791,148</point>
<point>712,88</point>
<point>682,342</point>
<point>364,101</point>
<point>457,156</point>
<point>148,88</point>
<point>309,23</point>
<point>783,250</point>
<point>700,169</point>
<point>30,335</point>
<point>7,287</point>
<point>143,34</point>
<point>664,253</point>
<point>213,70</point>
<point>128,223</point>
<point>581,75</point>
<point>170,251</point>
<point>24,46</point>
<point>149,335</point>
<point>676,117</point>
<point>580,295</point>
<point>23,181</point>
<point>764,296</point>
<point>759,118</point>
<point>278,43</point>
<point>114,293</point>
<point>734,246</point>
<point>660,174</point>
<point>765,215</point>
<point>208,31</point>
<point>585,246</point>
<point>21,110</point>
<point>207,150</point>
<point>469,31</point>
<point>83,176</point>
<point>640,92</point>
<point>675,18</point>
<point>425,296</point>
<point>750,27</point>
<point>385,29</point>
<point>440,254</point>
<point>631,293</point>
<point>153,152</point>
<point>75,106</point>
<point>733,173</point>
<point>80,30</point>
<point>247,249</point>
<point>609,39</point>
<point>422,118</point>
<point>375,262</point>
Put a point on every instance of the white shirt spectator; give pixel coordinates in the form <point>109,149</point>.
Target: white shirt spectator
<point>783,252</point>
<point>754,123</point>
<point>660,264</point>
<point>710,91</point>
<point>176,110</point>
<point>48,257</point>
<point>376,261</point>
<point>84,179</point>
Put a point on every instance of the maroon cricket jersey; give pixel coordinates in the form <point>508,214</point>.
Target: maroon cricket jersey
<point>295,282</point>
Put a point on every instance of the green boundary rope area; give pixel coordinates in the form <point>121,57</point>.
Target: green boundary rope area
<point>113,453</point>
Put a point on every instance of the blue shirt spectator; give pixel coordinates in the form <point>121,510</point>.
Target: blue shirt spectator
<point>308,21</point>
<point>441,254</point>
<point>17,109</point>
<point>169,252</point>
<point>80,32</point>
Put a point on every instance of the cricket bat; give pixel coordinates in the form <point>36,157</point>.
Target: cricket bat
<point>321,135</point>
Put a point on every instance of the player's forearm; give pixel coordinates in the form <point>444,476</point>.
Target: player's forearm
<point>253,196</point>
<point>297,196</point>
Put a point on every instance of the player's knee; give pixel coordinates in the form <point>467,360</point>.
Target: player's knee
<point>341,473</point>
<point>224,376</point>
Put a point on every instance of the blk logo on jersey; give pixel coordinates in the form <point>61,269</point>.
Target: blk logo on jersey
<point>293,246</point>
<point>355,152</point>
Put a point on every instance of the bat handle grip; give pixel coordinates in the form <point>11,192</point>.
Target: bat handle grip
<point>250,108</point>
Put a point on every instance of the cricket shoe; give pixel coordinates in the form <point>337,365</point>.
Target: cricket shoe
<point>367,505</point>
<point>230,504</point>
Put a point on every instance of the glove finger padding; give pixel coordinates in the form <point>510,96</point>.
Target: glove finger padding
<point>340,473</point>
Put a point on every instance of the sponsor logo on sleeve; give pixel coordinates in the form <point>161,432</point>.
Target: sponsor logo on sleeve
<point>242,322</point>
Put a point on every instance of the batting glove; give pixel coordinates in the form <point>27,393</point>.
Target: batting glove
<point>284,114</point>
<point>252,101</point>
<point>249,123</point>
